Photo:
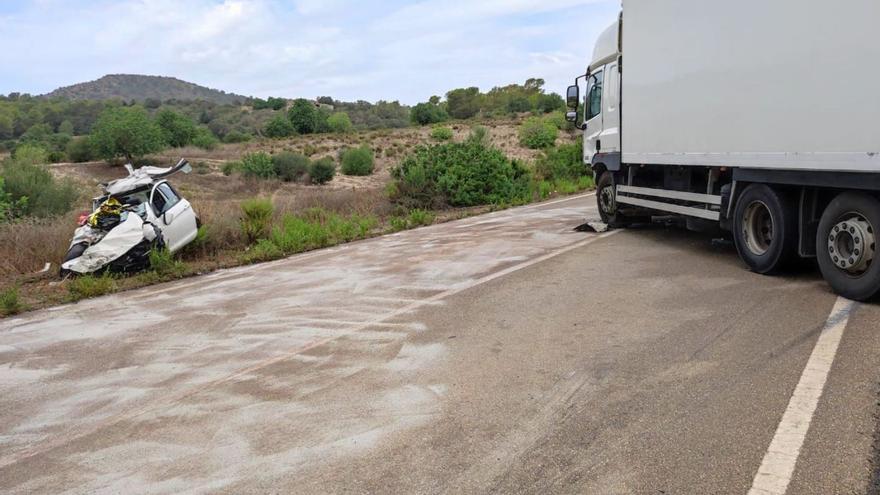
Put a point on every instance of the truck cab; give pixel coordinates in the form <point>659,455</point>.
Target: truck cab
<point>602,102</point>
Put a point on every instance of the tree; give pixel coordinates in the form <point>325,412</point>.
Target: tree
<point>463,103</point>
<point>428,113</point>
<point>178,129</point>
<point>66,127</point>
<point>279,127</point>
<point>550,103</point>
<point>339,122</point>
<point>126,132</point>
<point>304,116</point>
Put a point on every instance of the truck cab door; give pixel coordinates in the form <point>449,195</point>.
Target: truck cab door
<point>593,118</point>
<point>175,217</point>
<point>610,135</point>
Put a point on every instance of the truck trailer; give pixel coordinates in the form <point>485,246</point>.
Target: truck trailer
<point>758,117</point>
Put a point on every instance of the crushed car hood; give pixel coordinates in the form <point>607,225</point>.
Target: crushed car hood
<point>143,176</point>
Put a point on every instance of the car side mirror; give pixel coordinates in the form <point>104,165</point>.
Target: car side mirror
<point>168,217</point>
<point>573,96</point>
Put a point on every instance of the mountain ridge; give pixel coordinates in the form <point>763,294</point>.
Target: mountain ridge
<point>140,88</point>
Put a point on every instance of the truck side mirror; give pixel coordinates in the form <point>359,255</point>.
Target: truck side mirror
<point>573,96</point>
<point>571,116</point>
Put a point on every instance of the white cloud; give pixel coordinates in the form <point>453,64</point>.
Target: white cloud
<point>342,48</point>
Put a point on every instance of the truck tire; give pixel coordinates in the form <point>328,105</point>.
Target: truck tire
<point>606,199</point>
<point>846,245</point>
<point>765,228</point>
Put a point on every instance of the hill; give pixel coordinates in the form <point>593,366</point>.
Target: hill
<point>141,88</point>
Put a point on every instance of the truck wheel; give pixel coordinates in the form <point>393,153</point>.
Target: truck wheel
<point>606,197</point>
<point>765,228</point>
<point>846,245</point>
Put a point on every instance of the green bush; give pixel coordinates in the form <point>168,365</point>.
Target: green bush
<point>339,122</point>
<point>317,228</point>
<point>558,120</point>
<point>10,304</point>
<point>536,133</point>
<point>304,116</point>
<point>479,134</point>
<point>419,217</point>
<point>177,129</point>
<point>30,189</point>
<point>398,223</point>
<point>358,161</point>
<point>290,166</point>
<point>258,165</point>
<point>441,133</point>
<point>163,263</point>
<point>80,150</point>
<point>256,218</point>
<point>565,161</point>
<point>428,113</point>
<point>279,127</point>
<point>126,132</point>
<point>459,174</point>
<point>233,137</point>
<point>231,167</point>
<point>88,286</point>
<point>263,250</point>
<point>205,139</point>
<point>322,171</point>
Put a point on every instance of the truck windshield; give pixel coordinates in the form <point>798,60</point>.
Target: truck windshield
<point>594,94</point>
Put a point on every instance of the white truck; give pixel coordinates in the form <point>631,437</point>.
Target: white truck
<point>761,117</point>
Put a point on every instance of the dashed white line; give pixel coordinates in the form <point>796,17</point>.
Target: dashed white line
<point>779,462</point>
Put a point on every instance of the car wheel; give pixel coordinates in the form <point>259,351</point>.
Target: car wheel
<point>846,245</point>
<point>765,228</point>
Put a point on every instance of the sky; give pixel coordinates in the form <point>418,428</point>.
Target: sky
<point>349,50</point>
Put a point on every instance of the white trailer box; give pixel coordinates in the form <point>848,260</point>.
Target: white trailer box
<point>764,84</point>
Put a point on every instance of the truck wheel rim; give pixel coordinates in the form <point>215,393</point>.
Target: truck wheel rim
<point>606,200</point>
<point>758,228</point>
<point>851,244</point>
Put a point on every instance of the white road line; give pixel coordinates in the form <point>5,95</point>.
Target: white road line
<point>777,468</point>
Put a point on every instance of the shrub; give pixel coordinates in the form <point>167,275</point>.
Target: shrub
<point>428,113</point>
<point>459,174</point>
<point>10,303</point>
<point>279,127</point>
<point>229,168</point>
<point>205,139</point>
<point>30,189</point>
<point>256,218</point>
<point>339,122</point>
<point>317,228</point>
<point>237,137</point>
<point>565,161</point>
<point>263,250</point>
<point>290,166</point>
<point>322,171</point>
<point>126,132</point>
<point>398,223</point>
<point>478,134</point>
<point>418,218</point>
<point>88,286</point>
<point>163,263</point>
<point>80,150</point>
<point>304,116</point>
<point>536,133</point>
<point>259,165</point>
<point>441,133</point>
<point>358,161</point>
<point>177,129</point>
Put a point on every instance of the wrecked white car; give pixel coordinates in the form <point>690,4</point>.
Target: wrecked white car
<point>136,215</point>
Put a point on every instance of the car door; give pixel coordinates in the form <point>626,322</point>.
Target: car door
<point>175,216</point>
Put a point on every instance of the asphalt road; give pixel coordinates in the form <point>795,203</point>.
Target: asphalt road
<point>505,353</point>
